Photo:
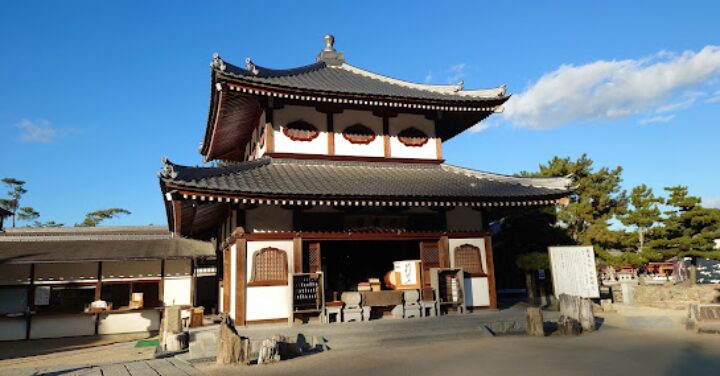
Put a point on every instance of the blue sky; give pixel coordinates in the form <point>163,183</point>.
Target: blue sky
<point>94,93</point>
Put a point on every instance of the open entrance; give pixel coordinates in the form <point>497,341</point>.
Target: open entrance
<point>348,263</point>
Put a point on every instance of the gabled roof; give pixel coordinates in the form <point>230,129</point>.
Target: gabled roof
<point>328,180</point>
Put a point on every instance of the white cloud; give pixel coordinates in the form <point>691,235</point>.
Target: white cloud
<point>711,202</point>
<point>715,98</point>
<point>40,132</point>
<point>608,90</point>
<point>428,78</point>
<point>685,103</point>
<point>657,119</point>
<point>456,73</point>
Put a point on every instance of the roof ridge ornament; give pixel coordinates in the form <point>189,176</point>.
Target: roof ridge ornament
<point>252,68</point>
<point>217,62</point>
<point>168,169</point>
<point>459,86</point>
<point>329,55</point>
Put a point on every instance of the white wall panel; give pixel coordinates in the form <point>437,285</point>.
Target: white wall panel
<point>289,114</point>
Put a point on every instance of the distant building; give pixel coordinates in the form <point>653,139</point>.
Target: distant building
<point>50,277</point>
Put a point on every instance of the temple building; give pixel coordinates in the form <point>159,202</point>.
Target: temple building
<point>329,178</point>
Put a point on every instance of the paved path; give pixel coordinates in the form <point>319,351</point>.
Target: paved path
<point>152,367</point>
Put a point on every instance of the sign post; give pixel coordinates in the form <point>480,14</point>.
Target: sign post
<point>573,271</point>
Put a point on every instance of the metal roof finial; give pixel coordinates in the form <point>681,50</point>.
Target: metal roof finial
<point>329,42</point>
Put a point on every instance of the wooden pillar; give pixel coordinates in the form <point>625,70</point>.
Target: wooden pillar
<point>31,302</point>
<point>444,251</point>
<point>490,271</point>
<point>161,287</point>
<point>226,281</point>
<point>177,216</point>
<point>386,135</point>
<point>438,142</point>
<point>269,136</point>
<point>193,283</point>
<point>240,280</point>
<point>331,133</point>
<point>297,254</point>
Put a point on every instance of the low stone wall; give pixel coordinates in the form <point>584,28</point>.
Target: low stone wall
<point>675,296</point>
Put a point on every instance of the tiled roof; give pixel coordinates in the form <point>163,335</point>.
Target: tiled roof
<point>347,79</point>
<point>355,179</point>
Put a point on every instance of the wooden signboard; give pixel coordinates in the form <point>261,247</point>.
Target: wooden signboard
<point>573,271</point>
<point>307,292</point>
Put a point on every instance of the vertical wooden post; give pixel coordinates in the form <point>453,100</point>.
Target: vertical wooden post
<point>490,271</point>
<point>297,254</point>
<point>226,281</point>
<point>193,283</point>
<point>331,133</point>
<point>269,136</point>
<point>240,280</point>
<point>444,250</point>
<point>161,287</point>
<point>31,302</point>
<point>386,135</point>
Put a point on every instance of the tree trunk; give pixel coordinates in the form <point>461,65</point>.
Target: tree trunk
<point>641,238</point>
<point>530,285</point>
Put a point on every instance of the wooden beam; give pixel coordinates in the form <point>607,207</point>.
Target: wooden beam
<point>438,147</point>
<point>386,136</point>
<point>490,272</point>
<point>177,216</point>
<point>444,251</point>
<point>240,280</point>
<point>269,138</point>
<point>331,133</point>
<point>297,254</point>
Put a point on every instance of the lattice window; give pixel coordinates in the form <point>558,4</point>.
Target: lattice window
<point>413,137</point>
<point>270,265</point>
<point>300,131</point>
<point>359,134</point>
<point>468,257</point>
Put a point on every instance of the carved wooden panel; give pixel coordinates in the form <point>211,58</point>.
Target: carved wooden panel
<point>269,265</point>
<point>359,134</point>
<point>300,131</point>
<point>468,257</point>
<point>413,137</point>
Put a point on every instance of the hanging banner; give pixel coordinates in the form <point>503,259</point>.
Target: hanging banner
<point>573,271</point>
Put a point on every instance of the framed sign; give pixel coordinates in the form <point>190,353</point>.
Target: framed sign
<point>573,271</point>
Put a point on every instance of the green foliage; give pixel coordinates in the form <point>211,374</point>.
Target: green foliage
<point>16,189</point>
<point>94,218</point>
<point>597,198</point>
<point>533,261</point>
<point>644,214</point>
<point>688,228</point>
<point>27,214</point>
<point>47,224</point>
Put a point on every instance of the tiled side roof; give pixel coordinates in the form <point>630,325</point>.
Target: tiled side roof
<point>347,79</point>
<point>350,179</point>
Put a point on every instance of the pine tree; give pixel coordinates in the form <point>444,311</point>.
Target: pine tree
<point>689,229</point>
<point>644,214</point>
<point>16,191</point>
<point>94,218</point>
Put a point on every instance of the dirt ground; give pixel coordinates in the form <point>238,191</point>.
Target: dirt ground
<point>632,342</point>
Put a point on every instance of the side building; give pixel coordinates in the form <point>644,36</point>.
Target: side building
<point>329,169</point>
<point>49,278</point>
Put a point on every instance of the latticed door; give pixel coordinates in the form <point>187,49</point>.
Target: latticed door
<point>314,260</point>
<point>430,257</point>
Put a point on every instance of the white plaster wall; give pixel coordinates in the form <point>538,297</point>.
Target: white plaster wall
<point>477,292</point>
<point>12,329</point>
<point>70,325</point>
<point>177,291</point>
<point>463,218</point>
<point>268,302</point>
<point>268,218</point>
<point>347,118</point>
<point>134,322</point>
<point>233,280</point>
<point>114,270</point>
<point>178,268</point>
<point>12,274</point>
<point>66,272</point>
<point>403,121</point>
<point>288,114</point>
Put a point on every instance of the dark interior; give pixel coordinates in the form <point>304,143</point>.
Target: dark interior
<point>346,263</point>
